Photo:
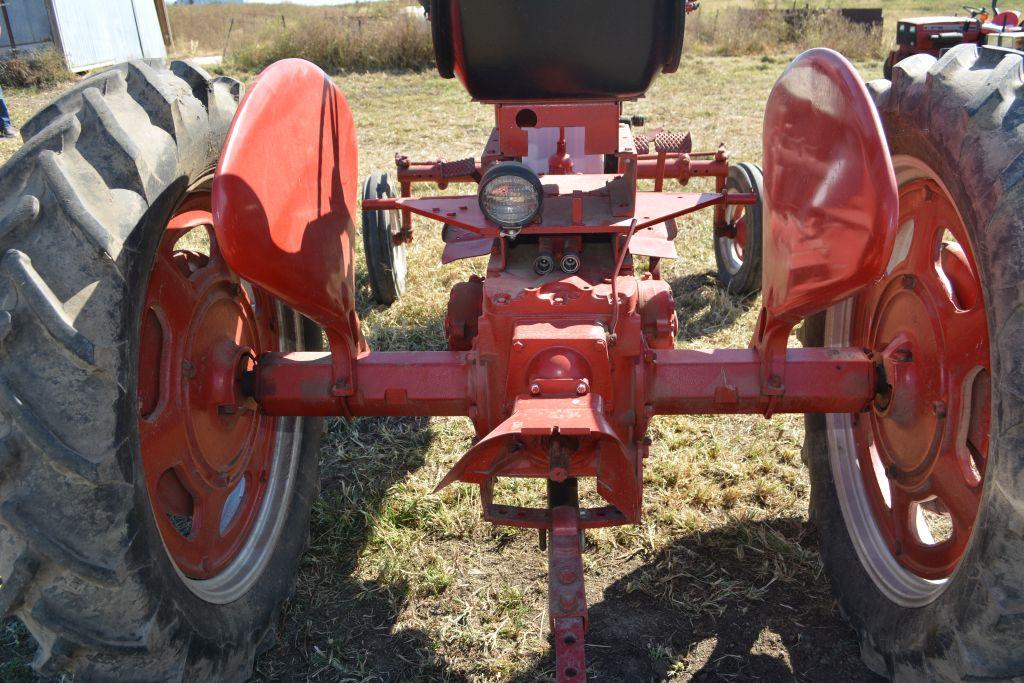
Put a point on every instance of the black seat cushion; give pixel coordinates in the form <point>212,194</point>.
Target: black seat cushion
<point>557,49</point>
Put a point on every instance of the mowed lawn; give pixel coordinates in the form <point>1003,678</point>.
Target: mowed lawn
<point>721,579</point>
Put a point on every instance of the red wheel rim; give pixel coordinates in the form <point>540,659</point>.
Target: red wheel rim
<point>740,241</point>
<point>737,220</point>
<point>923,447</point>
<point>206,449</point>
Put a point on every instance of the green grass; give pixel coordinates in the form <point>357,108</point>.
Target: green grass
<point>403,584</point>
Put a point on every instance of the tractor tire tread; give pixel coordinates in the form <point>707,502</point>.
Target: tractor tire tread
<point>962,112</point>
<point>67,568</point>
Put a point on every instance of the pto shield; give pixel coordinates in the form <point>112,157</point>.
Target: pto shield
<point>285,195</point>
<point>831,197</point>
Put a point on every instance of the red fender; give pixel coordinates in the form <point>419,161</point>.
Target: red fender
<point>831,198</point>
<point>285,195</point>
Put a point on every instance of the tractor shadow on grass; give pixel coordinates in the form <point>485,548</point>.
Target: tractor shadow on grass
<point>337,626</point>
<point>745,601</point>
<point>704,308</point>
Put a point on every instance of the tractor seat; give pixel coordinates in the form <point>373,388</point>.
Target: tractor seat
<point>515,50</point>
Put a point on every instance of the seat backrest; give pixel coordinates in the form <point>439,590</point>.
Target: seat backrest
<point>557,49</point>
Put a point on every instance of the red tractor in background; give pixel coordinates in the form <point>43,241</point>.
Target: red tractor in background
<point>932,35</point>
<point>161,404</point>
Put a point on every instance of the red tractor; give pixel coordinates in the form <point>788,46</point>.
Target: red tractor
<point>933,35</point>
<point>160,404</point>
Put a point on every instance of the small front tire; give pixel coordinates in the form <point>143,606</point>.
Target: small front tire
<point>385,252</point>
<point>738,247</point>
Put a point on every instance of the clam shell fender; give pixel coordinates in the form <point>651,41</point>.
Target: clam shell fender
<point>285,194</point>
<point>831,199</point>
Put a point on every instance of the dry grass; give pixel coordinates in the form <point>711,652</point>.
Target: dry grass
<point>721,578</point>
<point>38,68</point>
<point>393,43</point>
<point>207,26</point>
<point>759,31</point>
<point>375,36</point>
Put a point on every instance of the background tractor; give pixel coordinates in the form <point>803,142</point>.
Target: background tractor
<point>932,35</point>
<point>177,314</point>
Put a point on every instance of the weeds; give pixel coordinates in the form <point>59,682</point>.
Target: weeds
<point>36,68</point>
<point>392,36</point>
<point>763,31</point>
<point>397,43</point>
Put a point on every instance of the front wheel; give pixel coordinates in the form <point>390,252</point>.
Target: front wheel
<point>738,243</point>
<point>383,244</point>
<point>151,517</point>
<point>919,501</point>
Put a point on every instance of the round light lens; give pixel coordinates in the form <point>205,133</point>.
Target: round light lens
<point>510,195</point>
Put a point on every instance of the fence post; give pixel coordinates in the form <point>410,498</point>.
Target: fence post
<point>227,41</point>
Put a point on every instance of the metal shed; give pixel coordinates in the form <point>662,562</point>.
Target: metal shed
<point>89,33</point>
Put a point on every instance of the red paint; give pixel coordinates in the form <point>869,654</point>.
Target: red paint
<point>929,434</point>
<point>567,598</point>
<point>285,195</point>
<point>200,436</point>
<point>830,188</point>
<point>561,373</point>
<point>652,208</point>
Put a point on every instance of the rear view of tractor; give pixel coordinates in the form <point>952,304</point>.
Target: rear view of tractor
<point>175,256</point>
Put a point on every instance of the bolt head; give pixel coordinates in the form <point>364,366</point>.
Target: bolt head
<point>535,389</point>
<point>939,408</point>
<point>582,388</point>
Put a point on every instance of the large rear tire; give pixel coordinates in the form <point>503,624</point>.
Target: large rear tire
<point>943,602</point>
<point>85,556</point>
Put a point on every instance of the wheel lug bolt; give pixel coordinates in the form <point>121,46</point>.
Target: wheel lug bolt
<point>535,389</point>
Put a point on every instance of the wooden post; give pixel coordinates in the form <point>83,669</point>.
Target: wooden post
<point>165,24</point>
<point>227,41</point>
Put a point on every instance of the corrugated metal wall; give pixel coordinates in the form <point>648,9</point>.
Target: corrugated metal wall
<point>95,33</point>
<point>29,25</point>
